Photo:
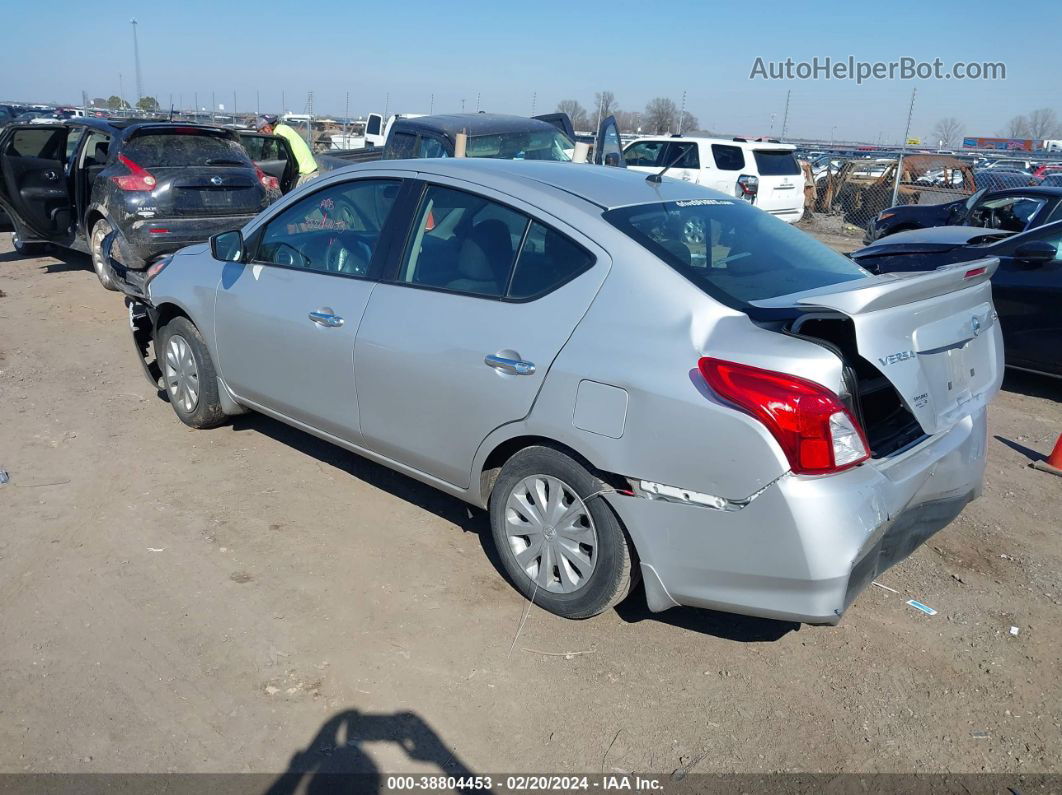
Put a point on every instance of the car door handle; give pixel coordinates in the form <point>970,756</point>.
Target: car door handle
<point>511,366</point>
<point>51,176</point>
<point>325,317</point>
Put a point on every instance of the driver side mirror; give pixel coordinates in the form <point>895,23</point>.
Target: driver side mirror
<point>1035,253</point>
<point>227,246</point>
<point>612,159</point>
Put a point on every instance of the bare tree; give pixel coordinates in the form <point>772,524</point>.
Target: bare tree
<point>690,122</point>
<point>629,121</point>
<point>1044,124</point>
<point>948,130</point>
<point>605,102</point>
<point>1018,127</point>
<point>576,112</point>
<point>661,116</point>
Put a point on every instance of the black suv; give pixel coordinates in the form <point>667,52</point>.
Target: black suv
<point>158,186</point>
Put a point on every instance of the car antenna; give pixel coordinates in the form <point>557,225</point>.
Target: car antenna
<point>656,178</point>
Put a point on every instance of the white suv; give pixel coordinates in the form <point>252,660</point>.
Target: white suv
<point>766,174</point>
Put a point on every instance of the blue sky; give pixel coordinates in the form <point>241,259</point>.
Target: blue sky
<point>506,51</point>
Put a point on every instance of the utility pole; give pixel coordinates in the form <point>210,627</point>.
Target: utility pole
<point>534,96</point>
<point>682,114</point>
<point>431,104</point>
<point>136,61</point>
<point>121,92</point>
<point>477,102</point>
<point>309,119</point>
<point>903,148</point>
<point>234,106</point>
<point>785,118</point>
<point>283,104</point>
<point>462,104</point>
<point>387,106</point>
<point>257,102</point>
<point>213,108</point>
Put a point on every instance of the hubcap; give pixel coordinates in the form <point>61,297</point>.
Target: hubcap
<point>98,233</point>
<point>181,374</point>
<point>551,533</point>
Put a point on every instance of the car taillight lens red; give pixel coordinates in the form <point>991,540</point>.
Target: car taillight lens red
<point>268,182</point>
<point>138,178</point>
<point>815,430</point>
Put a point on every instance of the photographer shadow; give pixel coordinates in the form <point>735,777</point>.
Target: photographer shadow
<point>335,760</point>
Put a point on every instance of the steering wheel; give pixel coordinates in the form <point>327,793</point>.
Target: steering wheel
<point>341,258</point>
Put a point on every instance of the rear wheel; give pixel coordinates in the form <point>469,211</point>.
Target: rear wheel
<point>188,375</point>
<point>100,230</point>
<point>26,249</point>
<point>560,543</point>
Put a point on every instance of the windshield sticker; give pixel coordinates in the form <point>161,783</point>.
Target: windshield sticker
<point>701,202</point>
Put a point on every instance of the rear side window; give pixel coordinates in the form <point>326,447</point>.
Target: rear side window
<point>733,251</point>
<point>263,147</point>
<point>402,145</point>
<point>682,155</point>
<point>37,143</point>
<point>776,163</point>
<point>728,158</point>
<point>430,147</point>
<point>547,260</point>
<point>187,147</point>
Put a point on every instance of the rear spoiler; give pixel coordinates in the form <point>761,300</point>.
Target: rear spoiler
<point>889,289</point>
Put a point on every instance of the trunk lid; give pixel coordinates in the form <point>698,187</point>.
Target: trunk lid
<point>935,336</point>
<point>207,191</point>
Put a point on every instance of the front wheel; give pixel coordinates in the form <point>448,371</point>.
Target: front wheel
<point>559,541</point>
<point>100,230</point>
<point>188,375</point>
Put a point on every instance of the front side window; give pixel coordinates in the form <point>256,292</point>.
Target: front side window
<point>463,242</point>
<point>546,144</point>
<point>644,153</point>
<point>334,230</point>
<point>733,251</point>
<point>728,158</point>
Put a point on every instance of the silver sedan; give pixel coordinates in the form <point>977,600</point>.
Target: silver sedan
<point>639,379</point>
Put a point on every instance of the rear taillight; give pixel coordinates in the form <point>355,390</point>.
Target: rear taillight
<point>268,182</point>
<point>138,178</point>
<point>748,185</point>
<point>816,431</point>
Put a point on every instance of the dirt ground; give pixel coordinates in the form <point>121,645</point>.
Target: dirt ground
<point>250,598</point>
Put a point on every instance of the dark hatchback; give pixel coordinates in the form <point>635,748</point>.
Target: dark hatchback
<point>158,186</point>
<point>1026,288</point>
<point>1012,209</point>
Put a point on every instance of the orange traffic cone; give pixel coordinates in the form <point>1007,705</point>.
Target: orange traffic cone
<point>1053,464</point>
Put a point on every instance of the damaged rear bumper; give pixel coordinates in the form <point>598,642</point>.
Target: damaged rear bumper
<point>805,547</point>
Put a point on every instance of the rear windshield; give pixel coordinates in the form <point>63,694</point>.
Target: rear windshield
<point>733,251</point>
<point>188,147</point>
<point>776,162</point>
<point>537,145</point>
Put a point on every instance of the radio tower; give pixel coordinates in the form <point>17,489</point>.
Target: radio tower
<point>136,61</point>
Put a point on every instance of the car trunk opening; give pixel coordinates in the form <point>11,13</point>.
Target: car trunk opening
<point>921,350</point>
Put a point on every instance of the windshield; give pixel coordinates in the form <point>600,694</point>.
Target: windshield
<point>732,250</point>
<point>184,147</point>
<point>536,145</point>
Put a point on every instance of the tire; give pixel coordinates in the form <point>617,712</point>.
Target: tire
<point>100,230</point>
<point>26,249</point>
<point>576,572</point>
<point>188,375</point>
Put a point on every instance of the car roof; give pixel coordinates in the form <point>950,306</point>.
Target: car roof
<point>744,142</point>
<point>607,187</point>
<point>474,123</point>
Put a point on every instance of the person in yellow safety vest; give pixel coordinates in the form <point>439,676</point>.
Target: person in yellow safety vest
<point>304,158</point>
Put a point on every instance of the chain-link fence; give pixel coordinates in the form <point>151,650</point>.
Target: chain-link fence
<point>846,194</point>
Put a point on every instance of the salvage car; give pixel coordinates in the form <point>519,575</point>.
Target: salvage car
<point>764,173</point>
<point>1027,285</point>
<point>1014,210</point>
<point>748,422</point>
<point>157,185</point>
